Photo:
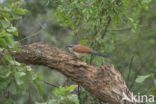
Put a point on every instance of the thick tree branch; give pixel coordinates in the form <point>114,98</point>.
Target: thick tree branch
<point>105,82</point>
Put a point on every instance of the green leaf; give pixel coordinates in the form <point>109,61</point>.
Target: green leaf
<point>39,87</point>
<point>71,88</point>
<point>3,43</point>
<point>142,78</point>
<point>5,23</point>
<point>6,59</point>
<point>3,83</point>
<point>7,74</point>
<point>12,88</point>
<point>63,91</point>
<point>18,77</point>
<point>146,1</point>
<point>12,30</point>
<point>3,33</point>
<point>20,11</point>
<point>153,90</point>
<point>44,103</point>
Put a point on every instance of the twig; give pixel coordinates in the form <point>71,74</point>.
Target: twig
<point>130,68</point>
<point>34,34</point>
<point>49,83</point>
<point>136,74</point>
<point>79,93</point>
<point>106,27</point>
<point>30,97</point>
<point>129,28</point>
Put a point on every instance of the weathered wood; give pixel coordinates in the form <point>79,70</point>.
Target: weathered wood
<point>105,82</point>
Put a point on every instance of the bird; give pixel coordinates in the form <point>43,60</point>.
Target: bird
<point>79,51</point>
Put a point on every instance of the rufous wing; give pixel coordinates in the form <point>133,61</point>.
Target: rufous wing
<point>82,49</point>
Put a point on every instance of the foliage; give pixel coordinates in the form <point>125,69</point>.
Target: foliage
<point>95,14</point>
<point>63,95</point>
<point>94,17</point>
<point>123,28</point>
<point>116,27</point>
<point>15,78</point>
<point>10,12</point>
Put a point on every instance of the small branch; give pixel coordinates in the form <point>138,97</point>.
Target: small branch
<point>49,83</point>
<point>79,94</point>
<point>130,68</point>
<point>106,27</point>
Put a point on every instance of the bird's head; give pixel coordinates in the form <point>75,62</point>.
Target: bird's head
<point>70,47</point>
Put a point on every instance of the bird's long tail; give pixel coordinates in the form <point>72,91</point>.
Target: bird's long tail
<point>101,54</point>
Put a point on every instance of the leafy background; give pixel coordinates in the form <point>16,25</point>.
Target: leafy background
<point>123,28</point>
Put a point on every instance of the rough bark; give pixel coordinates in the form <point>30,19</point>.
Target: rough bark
<point>105,82</point>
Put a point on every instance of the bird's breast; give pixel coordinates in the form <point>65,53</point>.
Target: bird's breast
<point>79,54</point>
